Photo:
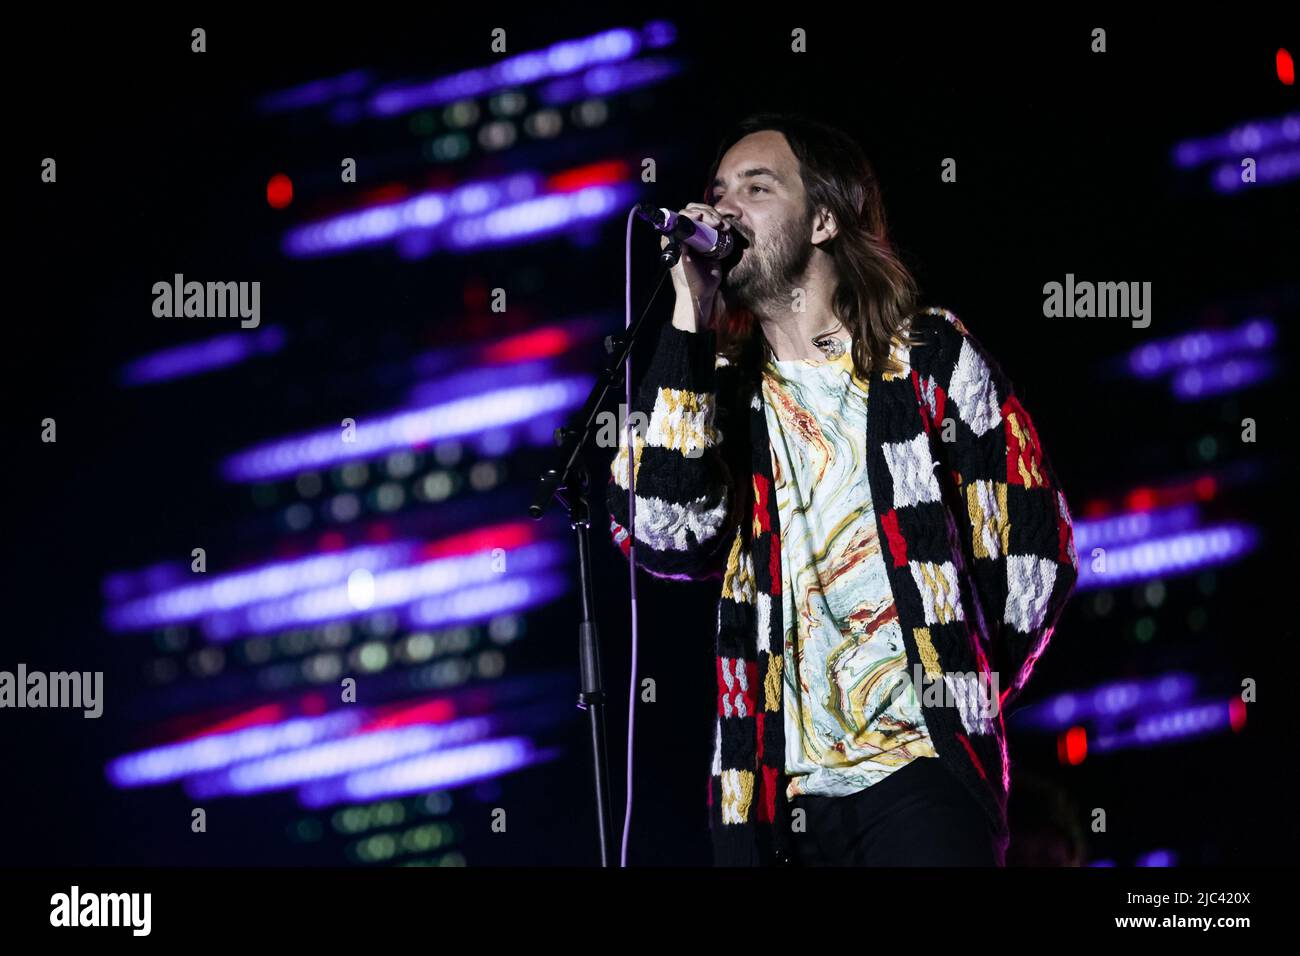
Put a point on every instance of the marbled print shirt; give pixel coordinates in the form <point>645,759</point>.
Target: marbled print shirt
<point>852,716</point>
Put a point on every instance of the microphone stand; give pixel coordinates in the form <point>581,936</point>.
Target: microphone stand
<point>569,482</point>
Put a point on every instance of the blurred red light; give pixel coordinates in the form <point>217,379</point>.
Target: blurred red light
<point>279,191</point>
<point>1141,499</point>
<point>1072,746</point>
<point>1237,714</point>
<point>596,174</point>
<point>541,343</point>
<point>331,541</point>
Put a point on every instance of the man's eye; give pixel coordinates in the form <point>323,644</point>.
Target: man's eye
<point>754,187</point>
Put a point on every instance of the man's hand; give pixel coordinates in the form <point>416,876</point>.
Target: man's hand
<point>695,278</point>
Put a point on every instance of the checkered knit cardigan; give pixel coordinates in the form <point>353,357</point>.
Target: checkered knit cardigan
<point>975,533</point>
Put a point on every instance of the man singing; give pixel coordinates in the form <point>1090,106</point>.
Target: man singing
<point>893,545</point>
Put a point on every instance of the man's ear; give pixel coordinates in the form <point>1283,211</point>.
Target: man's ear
<point>824,226</point>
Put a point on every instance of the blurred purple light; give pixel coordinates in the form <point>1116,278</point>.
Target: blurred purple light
<point>195,357</point>
<point>474,381</point>
<point>556,60</point>
<point>1183,722</point>
<point>347,112</point>
<point>121,585</point>
<point>1132,526</point>
<point>175,760</point>
<point>607,80</point>
<point>1216,378</point>
<point>314,93</point>
<point>508,406</point>
<point>220,593</point>
<point>462,576</point>
<point>349,750</point>
<point>538,217</point>
<point>334,757</point>
<point>1107,702</point>
<point>1156,358</point>
<point>1240,141</point>
<point>423,213</point>
<point>1157,858</point>
<point>1171,726</point>
<point>1172,554</point>
<point>1270,169</point>
<point>487,600</point>
<point>437,771</point>
<point>659,33</point>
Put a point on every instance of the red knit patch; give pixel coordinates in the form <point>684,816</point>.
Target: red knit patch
<point>934,418</point>
<point>766,809</point>
<point>971,753</point>
<point>774,564</point>
<point>759,721</point>
<point>617,532</point>
<point>762,486</point>
<point>1024,459</point>
<point>897,545</point>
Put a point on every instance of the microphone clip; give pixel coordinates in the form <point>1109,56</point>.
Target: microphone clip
<point>671,252</point>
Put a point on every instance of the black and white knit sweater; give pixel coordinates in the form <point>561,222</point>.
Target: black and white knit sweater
<point>976,533</point>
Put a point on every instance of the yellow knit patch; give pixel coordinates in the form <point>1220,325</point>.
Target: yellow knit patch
<point>738,579</point>
<point>1029,475</point>
<point>929,657</point>
<point>681,420</point>
<point>945,609</point>
<point>772,682</point>
<point>737,795</point>
<point>619,466</point>
<point>988,518</point>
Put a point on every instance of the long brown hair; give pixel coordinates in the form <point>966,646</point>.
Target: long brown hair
<point>876,294</point>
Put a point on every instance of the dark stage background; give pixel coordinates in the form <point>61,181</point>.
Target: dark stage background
<point>327,559</point>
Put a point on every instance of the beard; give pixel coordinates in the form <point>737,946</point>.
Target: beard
<point>768,269</point>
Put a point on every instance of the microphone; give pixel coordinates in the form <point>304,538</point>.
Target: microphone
<point>706,241</point>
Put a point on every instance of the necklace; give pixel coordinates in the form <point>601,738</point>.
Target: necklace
<point>832,346</point>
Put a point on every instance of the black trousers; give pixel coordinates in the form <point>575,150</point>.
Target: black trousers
<point>920,815</point>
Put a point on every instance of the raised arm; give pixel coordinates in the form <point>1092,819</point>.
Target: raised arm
<point>685,496</point>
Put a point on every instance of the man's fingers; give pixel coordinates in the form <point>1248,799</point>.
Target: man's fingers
<point>702,213</point>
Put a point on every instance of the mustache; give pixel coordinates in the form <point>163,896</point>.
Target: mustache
<point>740,242</point>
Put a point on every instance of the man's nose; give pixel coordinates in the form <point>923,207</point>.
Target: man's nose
<point>727,210</point>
